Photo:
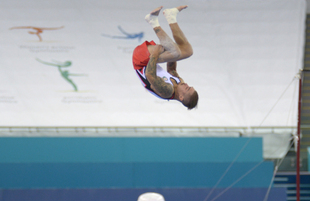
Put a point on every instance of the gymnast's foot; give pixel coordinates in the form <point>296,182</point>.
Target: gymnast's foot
<point>152,17</point>
<point>171,14</point>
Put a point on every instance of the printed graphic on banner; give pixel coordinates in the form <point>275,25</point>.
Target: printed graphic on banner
<point>47,48</point>
<point>43,47</point>
<point>64,73</point>
<point>7,99</point>
<point>36,30</point>
<point>126,35</point>
<point>81,99</point>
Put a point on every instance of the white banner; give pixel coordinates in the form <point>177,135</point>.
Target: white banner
<point>68,63</point>
<point>275,145</point>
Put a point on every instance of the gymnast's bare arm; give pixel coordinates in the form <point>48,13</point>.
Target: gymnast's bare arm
<point>162,88</point>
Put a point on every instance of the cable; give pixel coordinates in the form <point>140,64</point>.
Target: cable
<point>296,76</point>
<point>274,174</point>
<point>248,172</point>
<point>277,101</point>
<point>227,169</point>
<point>267,194</point>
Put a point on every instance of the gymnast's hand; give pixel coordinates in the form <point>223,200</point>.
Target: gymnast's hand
<point>157,50</point>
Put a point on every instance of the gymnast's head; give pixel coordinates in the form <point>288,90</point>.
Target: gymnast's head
<point>187,95</point>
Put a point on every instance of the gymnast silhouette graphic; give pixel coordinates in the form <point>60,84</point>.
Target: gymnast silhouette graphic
<point>64,73</point>
<point>126,35</point>
<point>37,30</point>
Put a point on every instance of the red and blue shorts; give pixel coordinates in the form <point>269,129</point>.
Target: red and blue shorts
<point>141,55</point>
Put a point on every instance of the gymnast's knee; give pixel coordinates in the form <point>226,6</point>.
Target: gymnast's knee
<point>187,53</point>
<point>187,50</point>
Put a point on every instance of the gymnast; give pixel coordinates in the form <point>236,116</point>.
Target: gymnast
<point>165,84</point>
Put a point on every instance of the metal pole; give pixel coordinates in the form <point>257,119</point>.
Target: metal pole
<point>298,142</point>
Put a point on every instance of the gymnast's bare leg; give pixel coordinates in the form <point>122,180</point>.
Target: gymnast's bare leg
<point>174,50</point>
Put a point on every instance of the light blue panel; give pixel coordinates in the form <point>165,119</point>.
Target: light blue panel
<point>131,175</point>
<point>49,150</point>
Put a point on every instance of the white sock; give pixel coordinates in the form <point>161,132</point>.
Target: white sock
<point>171,15</point>
<point>152,20</point>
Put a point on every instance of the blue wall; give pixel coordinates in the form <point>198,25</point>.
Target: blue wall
<point>38,165</point>
<point>130,162</point>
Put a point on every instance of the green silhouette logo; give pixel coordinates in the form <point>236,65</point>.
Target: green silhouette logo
<point>64,73</point>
